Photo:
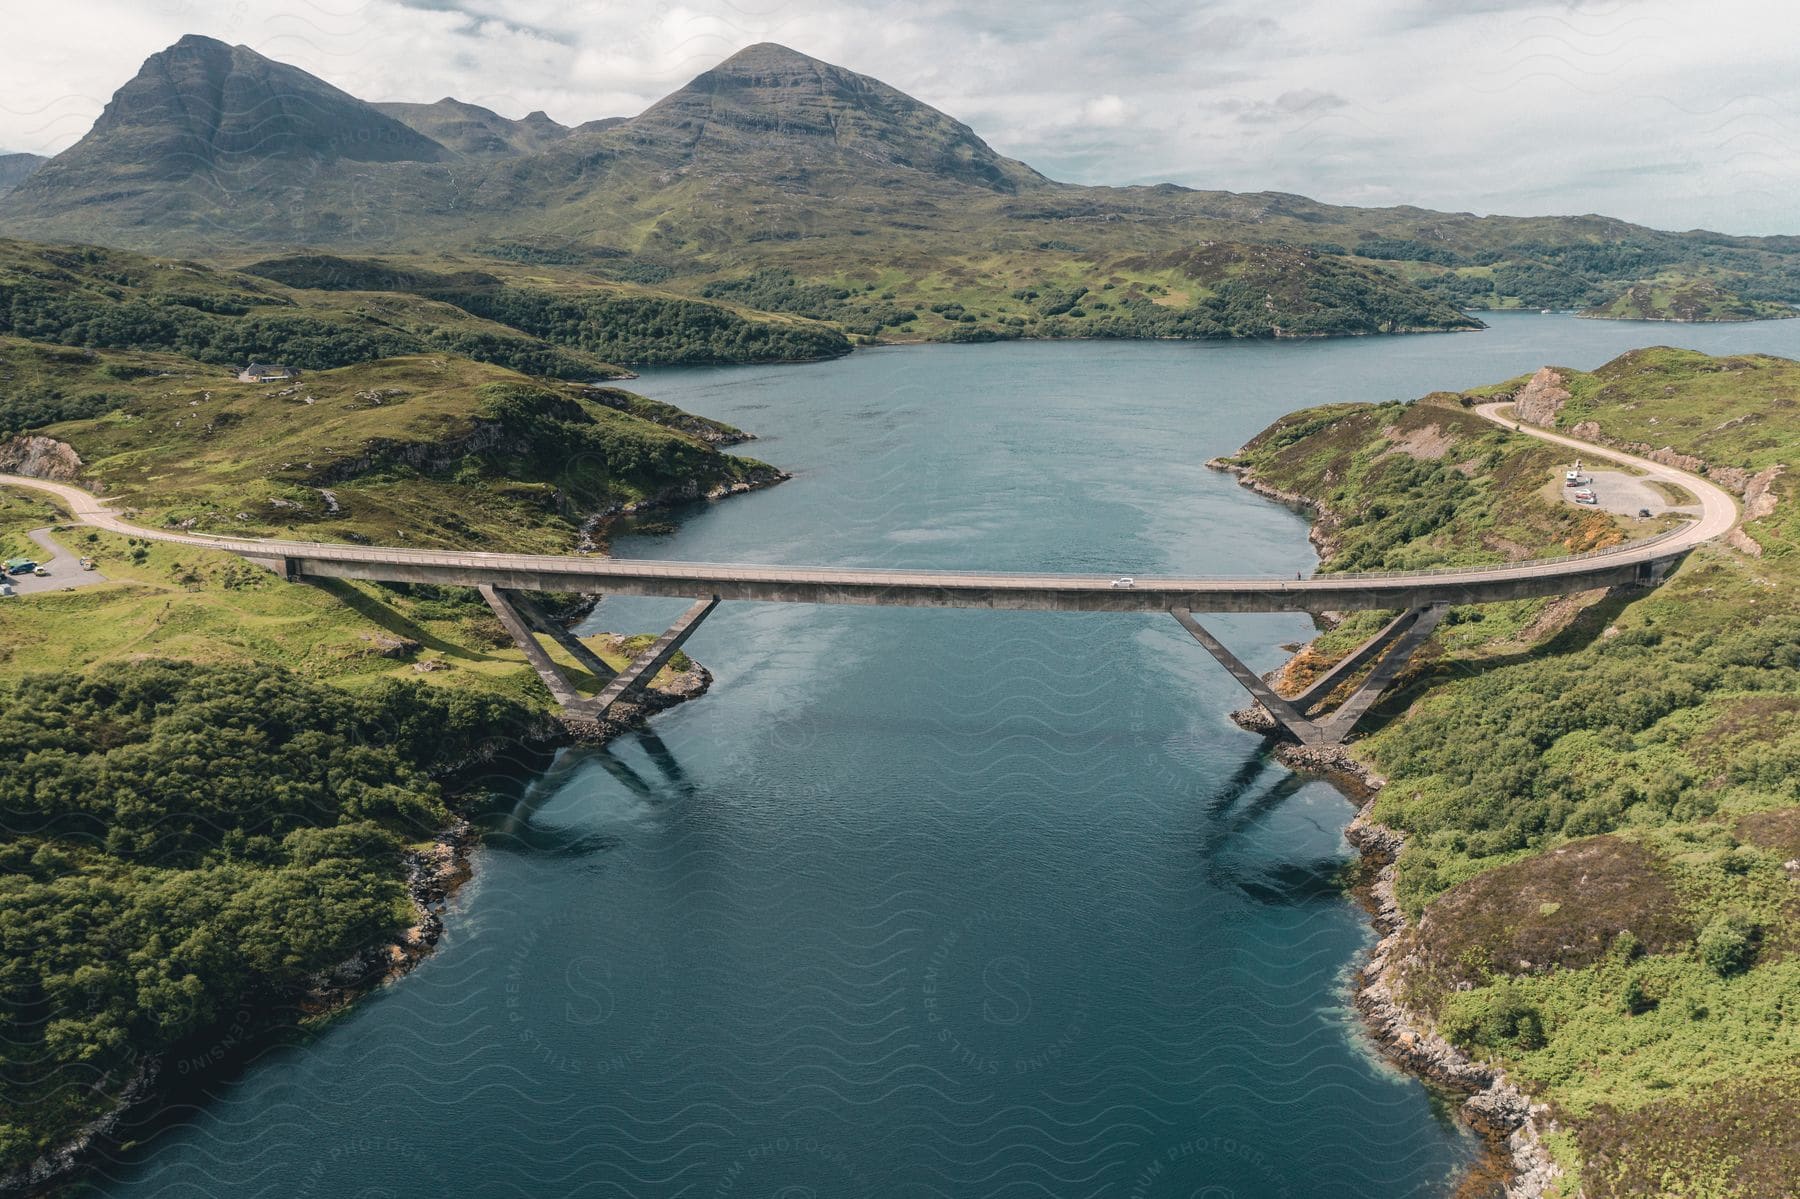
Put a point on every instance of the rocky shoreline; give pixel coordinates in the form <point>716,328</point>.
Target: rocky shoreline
<point>1512,1125</point>
<point>434,873</point>
<point>595,527</point>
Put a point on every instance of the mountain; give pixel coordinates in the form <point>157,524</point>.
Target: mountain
<point>474,131</point>
<point>771,106</point>
<point>783,183</point>
<point>16,168</point>
<point>213,136</point>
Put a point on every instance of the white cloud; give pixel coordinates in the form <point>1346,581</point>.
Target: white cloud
<point>1655,110</point>
<point>1105,111</point>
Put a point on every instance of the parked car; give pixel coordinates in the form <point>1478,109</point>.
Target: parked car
<point>1585,497</point>
<point>6,589</point>
<point>87,564</point>
<point>40,572</point>
<point>1643,514</point>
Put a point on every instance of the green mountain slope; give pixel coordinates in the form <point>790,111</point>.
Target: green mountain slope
<point>210,135</point>
<point>83,295</point>
<point>343,311</point>
<point>773,162</point>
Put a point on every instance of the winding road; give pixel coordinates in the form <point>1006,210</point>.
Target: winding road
<point>1639,561</point>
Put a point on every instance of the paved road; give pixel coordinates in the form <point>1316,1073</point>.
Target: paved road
<point>64,567</point>
<point>968,589</point>
<point>1718,511</point>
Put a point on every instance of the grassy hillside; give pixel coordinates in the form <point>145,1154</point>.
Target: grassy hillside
<point>1732,413</point>
<point>1404,486</point>
<point>1214,291</point>
<point>425,450</point>
<point>1678,299</point>
<point>196,605</point>
<point>1597,794</point>
<point>216,771</point>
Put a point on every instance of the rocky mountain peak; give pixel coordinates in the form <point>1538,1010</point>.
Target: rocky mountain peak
<point>768,101</point>
<point>202,104</point>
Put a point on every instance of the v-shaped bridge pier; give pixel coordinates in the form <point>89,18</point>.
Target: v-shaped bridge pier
<point>1400,639</point>
<point>523,619</point>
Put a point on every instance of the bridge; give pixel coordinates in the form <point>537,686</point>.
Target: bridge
<point>1420,597</point>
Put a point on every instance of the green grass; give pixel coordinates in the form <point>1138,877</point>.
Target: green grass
<point>1425,484</point>
<point>1595,791</point>
<point>172,601</point>
<point>1735,411</point>
<point>422,450</point>
<point>1684,299</point>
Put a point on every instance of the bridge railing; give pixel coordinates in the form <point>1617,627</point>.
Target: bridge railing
<point>653,567</point>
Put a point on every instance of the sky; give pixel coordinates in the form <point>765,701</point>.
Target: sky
<point>1667,112</point>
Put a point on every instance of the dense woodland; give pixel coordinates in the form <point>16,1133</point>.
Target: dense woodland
<point>181,840</point>
<point>650,329</point>
<point>635,329</point>
<point>226,332</point>
<point>1537,274</point>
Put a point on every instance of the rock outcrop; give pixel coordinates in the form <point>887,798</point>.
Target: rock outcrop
<point>1542,398</point>
<point>40,458</point>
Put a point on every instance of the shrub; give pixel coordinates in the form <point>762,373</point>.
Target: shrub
<point>1626,947</point>
<point>1727,944</point>
<point>1636,998</point>
<point>1501,1018</point>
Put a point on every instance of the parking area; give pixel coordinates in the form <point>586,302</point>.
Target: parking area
<point>1625,494</point>
<point>63,564</point>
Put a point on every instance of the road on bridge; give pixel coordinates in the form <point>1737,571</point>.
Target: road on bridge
<point>971,589</point>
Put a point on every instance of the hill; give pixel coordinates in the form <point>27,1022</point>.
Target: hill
<point>210,134</point>
<point>423,450</point>
<point>1216,291</point>
<point>1597,792</point>
<point>1686,300</point>
<point>347,313</point>
<point>778,165</point>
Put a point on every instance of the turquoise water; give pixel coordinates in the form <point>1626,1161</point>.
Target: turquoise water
<point>914,902</point>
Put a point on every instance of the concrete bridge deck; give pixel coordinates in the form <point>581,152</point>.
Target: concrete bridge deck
<point>499,575</point>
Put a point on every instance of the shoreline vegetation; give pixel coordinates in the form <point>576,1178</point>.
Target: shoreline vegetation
<point>433,870</point>
<point>1582,878</point>
<point>127,699</point>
